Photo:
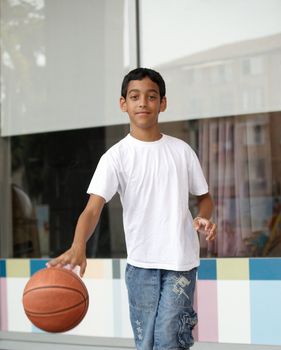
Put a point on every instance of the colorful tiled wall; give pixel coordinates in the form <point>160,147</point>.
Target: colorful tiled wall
<point>237,300</point>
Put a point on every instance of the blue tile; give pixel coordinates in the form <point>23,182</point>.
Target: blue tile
<point>265,312</point>
<point>265,269</point>
<point>207,269</point>
<point>2,268</point>
<point>36,265</point>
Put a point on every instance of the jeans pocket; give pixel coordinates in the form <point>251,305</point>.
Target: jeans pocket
<point>187,322</point>
<point>142,288</point>
<point>128,269</point>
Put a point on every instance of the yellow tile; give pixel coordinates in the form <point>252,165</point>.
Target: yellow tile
<point>233,269</point>
<point>99,268</point>
<point>18,267</point>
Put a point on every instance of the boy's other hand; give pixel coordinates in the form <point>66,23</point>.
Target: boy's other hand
<point>75,256</point>
<point>205,226</point>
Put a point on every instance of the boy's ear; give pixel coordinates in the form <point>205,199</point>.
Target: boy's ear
<point>123,104</point>
<point>163,104</point>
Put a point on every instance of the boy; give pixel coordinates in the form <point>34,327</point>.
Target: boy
<point>153,174</point>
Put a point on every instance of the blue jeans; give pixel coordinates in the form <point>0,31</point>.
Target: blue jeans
<point>161,307</point>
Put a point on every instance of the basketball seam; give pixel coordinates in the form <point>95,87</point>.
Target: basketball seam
<point>80,319</point>
<point>66,272</point>
<point>85,298</point>
<point>74,323</point>
<point>74,276</point>
<point>47,313</point>
<point>58,287</point>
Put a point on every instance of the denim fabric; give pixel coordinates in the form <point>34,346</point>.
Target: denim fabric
<point>161,307</point>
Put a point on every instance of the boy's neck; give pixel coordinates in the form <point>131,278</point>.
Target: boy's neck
<point>146,135</point>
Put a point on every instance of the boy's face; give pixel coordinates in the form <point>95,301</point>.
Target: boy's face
<point>143,103</point>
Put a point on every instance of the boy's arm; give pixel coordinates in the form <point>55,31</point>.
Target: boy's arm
<point>203,222</point>
<point>87,222</point>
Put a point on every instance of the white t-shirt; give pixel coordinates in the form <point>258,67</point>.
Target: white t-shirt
<point>153,180</point>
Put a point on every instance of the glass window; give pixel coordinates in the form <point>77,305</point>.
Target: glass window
<point>50,174</point>
<point>63,62</point>
<point>245,182</point>
<point>213,63</point>
<point>240,156</point>
<point>5,206</point>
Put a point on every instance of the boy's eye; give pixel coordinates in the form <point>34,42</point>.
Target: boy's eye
<point>152,97</point>
<point>133,97</point>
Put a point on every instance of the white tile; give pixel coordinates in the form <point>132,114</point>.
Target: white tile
<point>17,320</point>
<point>234,312</point>
<point>99,320</point>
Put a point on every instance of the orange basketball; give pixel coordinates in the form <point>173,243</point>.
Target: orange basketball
<point>55,299</point>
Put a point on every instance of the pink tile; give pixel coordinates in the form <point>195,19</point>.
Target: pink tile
<point>207,308</point>
<point>3,305</point>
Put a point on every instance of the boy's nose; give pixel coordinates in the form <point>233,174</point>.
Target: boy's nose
<point>142,102</point>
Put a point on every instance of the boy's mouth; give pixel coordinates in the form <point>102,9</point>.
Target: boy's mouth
<point>142,113</point>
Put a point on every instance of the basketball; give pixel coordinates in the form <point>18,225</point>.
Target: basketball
<point>55,299</point>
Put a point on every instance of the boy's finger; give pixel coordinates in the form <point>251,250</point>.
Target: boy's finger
<point>209,237</point>
<point>58,262</point>
<point>83,268</point>
<point>212,233</point>
<point>52,262</point>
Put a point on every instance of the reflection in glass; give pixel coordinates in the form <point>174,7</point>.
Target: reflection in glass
<point>61,73</point>
<point>214,62</point>
<point>240,156</point>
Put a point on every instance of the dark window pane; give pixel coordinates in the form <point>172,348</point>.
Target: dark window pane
<point>240,156</point>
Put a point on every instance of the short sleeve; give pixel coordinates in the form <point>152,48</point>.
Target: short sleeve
<point>197,182</point>
<point>104,182</point>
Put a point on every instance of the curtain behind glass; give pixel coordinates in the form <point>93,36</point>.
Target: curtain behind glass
<point>236,157</point>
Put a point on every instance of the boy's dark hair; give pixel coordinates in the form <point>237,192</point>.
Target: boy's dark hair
<point>141,73</point>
